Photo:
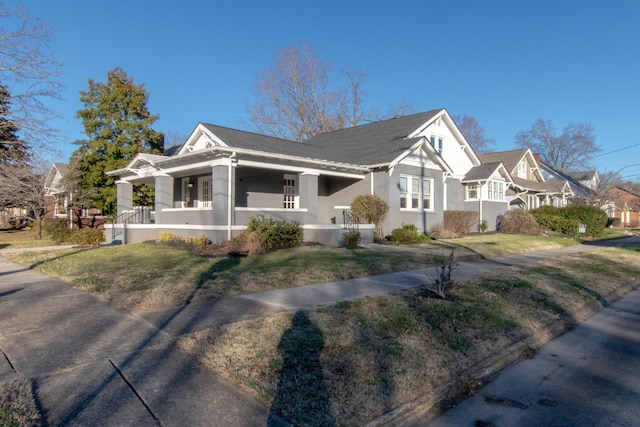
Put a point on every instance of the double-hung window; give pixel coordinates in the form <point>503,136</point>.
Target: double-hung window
<point>522,169</point>
<point>495,190</point>
<point>472,191</point>
<point>416,193</point>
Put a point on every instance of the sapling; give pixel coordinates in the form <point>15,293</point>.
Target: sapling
<point>442,280</point>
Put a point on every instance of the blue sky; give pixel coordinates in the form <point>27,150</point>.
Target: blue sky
<point>507,63</point>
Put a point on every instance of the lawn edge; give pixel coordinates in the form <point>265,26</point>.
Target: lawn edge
<point>427,407</point>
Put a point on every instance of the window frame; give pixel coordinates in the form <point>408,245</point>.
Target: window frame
<point>476,188</point>
<point>496,190</point>
<point>419,196</point>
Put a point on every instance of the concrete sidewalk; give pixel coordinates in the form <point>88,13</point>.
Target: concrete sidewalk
<point>180,320</point>
<point>90,364</point>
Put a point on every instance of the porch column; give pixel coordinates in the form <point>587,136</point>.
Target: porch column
<point>309,196</point>
<point>163,195</point>
<point>220,199</point>
<point>124,196</point>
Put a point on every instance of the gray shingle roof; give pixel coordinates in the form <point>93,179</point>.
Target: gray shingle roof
<point>544,187</point>
<point>370,144</point>
<point>373,143</point>
<point>581,176</point>
<point>509,158</point>
<point>481,172</point>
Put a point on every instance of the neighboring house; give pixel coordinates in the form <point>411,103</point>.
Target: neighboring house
<point>624,206</point>
<point>59,201</point>
<point>420,164</point>
<point>583,184</point>
<point>530,190</point>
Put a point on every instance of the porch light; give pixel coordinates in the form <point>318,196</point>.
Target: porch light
<point>190,183</point>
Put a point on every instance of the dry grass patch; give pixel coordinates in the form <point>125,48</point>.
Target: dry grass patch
<point>15,239</point>
<point>143,277</point>
<point>352,362</point>
<point>17,404</point>
<point>496,245</point>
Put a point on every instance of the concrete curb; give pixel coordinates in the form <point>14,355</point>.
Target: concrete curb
<point>428,406</point>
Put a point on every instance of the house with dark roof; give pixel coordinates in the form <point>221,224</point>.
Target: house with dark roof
<point>582,183</point>
<point>59,201</point>
<point>420,164</point>
<point>530,190</point>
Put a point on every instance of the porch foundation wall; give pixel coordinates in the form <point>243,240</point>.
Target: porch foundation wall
<point>135,233</point>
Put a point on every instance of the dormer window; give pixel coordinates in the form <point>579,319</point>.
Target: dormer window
<point>436,143</point>
<point>522,169</point>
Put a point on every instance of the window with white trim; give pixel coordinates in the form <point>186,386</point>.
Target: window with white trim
<point>290,191</point>
<point>436,143</point>
<point>416,193</point>
<point>495,190</point>
<point>472,191</point>
<point>522,169</point>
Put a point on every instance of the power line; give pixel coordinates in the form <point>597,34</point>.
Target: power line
<point>615,151</point>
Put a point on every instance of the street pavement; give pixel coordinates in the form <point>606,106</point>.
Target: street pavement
<point>586,377</point>
<point>90,364</point>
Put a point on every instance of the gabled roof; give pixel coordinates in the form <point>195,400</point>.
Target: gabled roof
<point>373,143</point>
<point>583,175</point>
<point>550,187</point>
<point>362,147</point>
<point>370,144</point>
<point>510,158</point>
<point>54,176</point>
<point>485,171</point>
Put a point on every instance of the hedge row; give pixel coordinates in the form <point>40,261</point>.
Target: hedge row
<point>568,219</point>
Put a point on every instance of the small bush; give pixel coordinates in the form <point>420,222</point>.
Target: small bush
<point>57,230</point>
<point>275,234</point>
<point>518,221</point>
<point>460,222</point>
<point>87,237</point>
<point>169,237</point>
<point>200,242</point>
<point>370,209</point>
<point>483,226</point>
<point>351,239</point>
<point>439,232</point>
<point>408,233</point>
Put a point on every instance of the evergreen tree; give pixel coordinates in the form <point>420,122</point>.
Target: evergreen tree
<point>12,149</point>
<point>118,127</point>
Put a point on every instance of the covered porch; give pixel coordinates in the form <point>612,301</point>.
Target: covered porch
<point>214,193</point>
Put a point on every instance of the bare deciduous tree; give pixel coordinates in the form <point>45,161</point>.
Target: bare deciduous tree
<point>31,72</point>
<point>474,133</point>
<point>23,186</point>
<point>600,195</point>
<point>573,148</point>
<point>298,97</point>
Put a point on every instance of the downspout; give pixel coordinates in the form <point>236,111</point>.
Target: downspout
<point>229,198</point>
<point>372,187</point>
<point>480,202</point>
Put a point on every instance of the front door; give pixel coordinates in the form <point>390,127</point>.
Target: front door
<point>204,192</point>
